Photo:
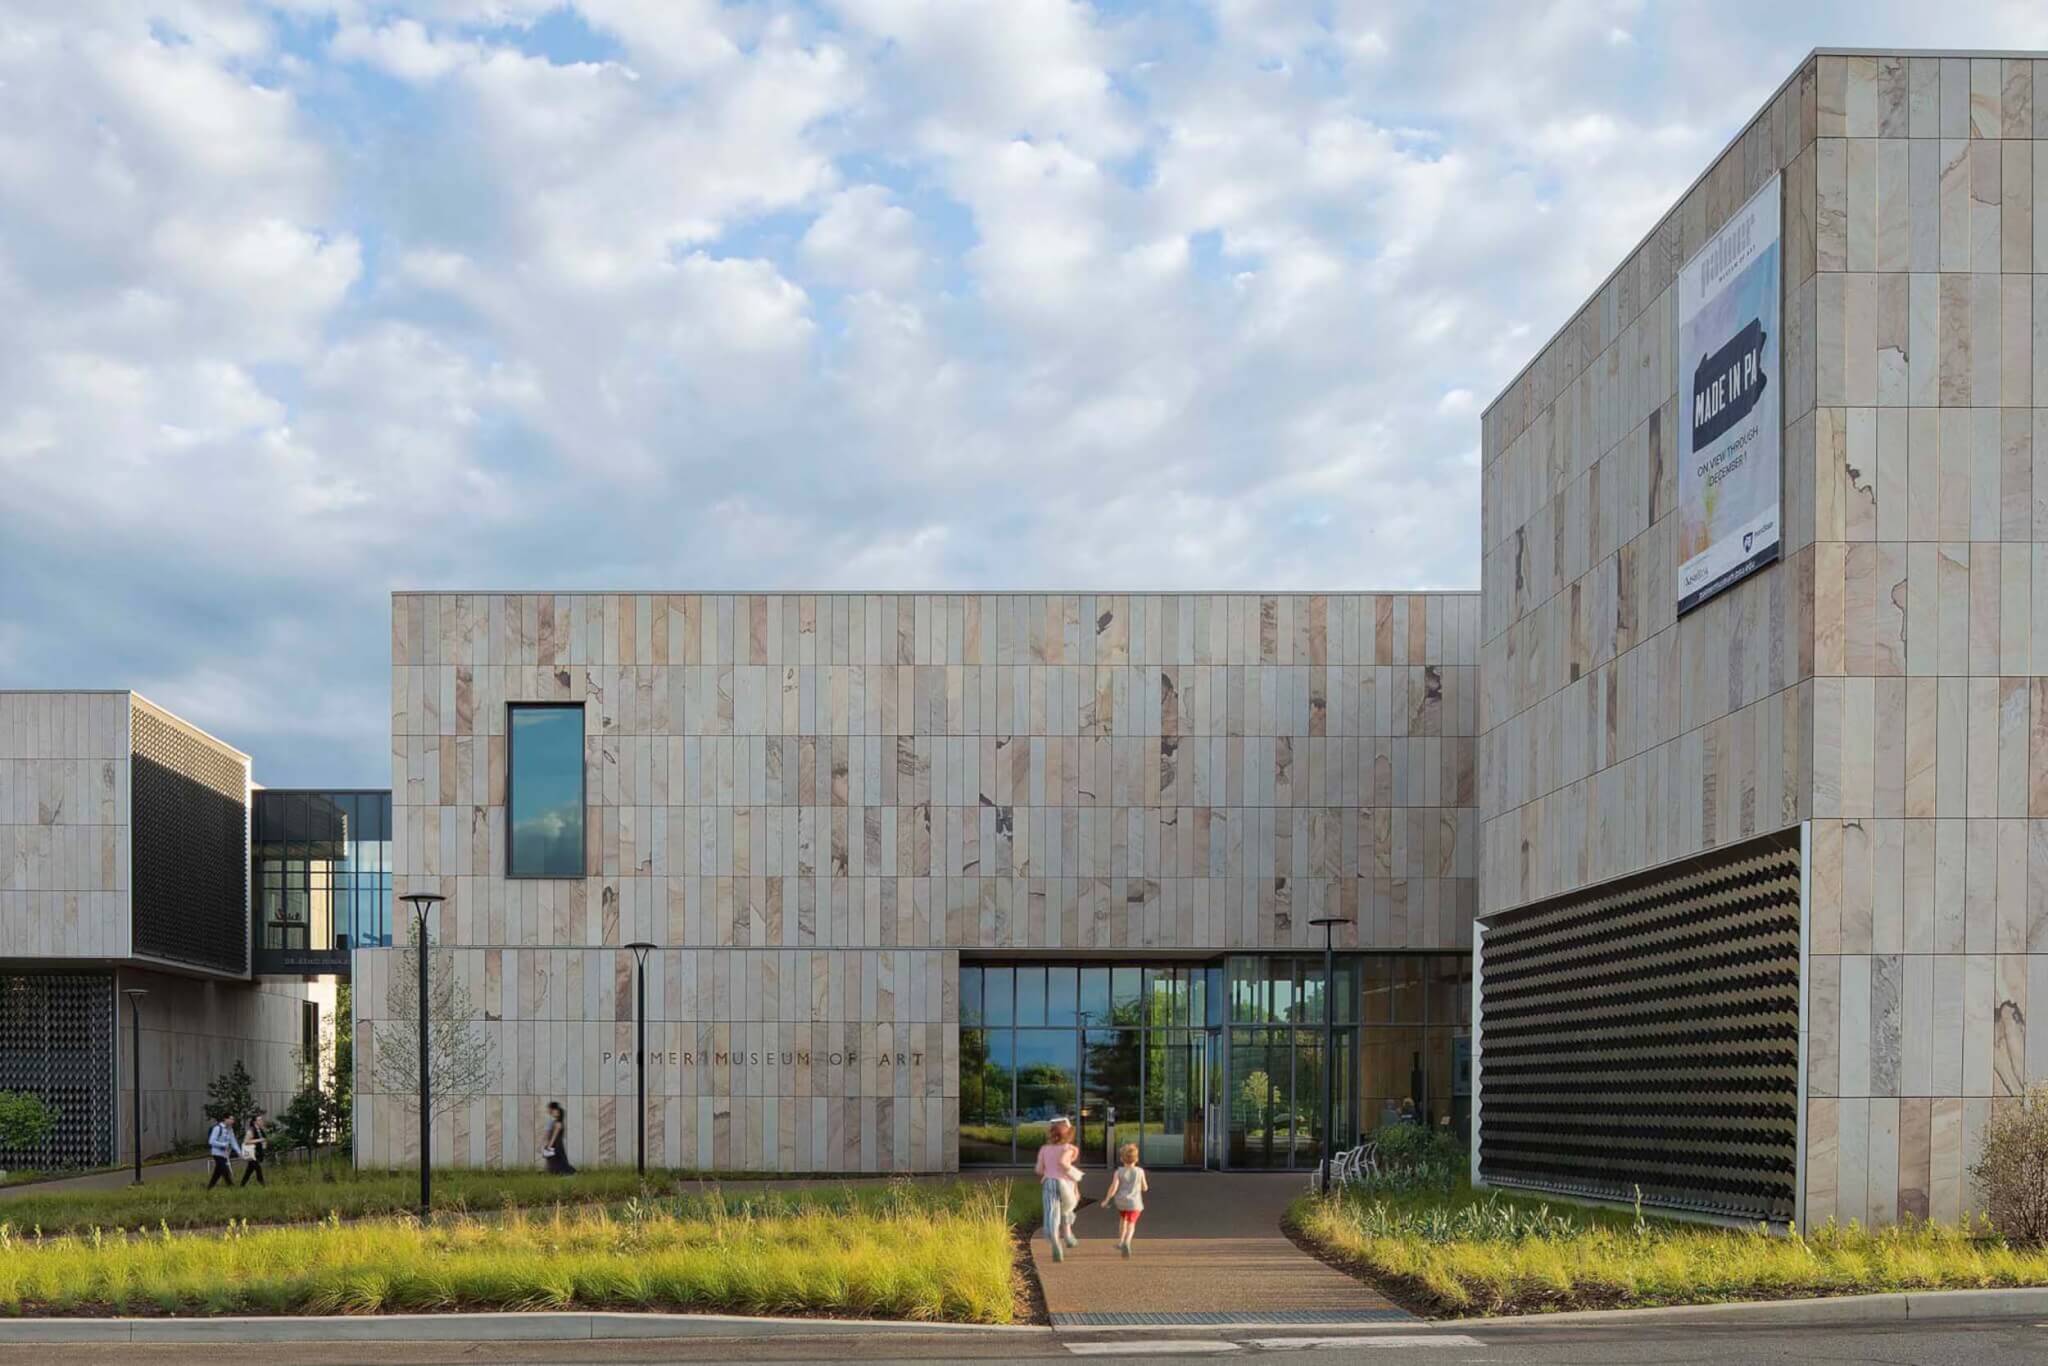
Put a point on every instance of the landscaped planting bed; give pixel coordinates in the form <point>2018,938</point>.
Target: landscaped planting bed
<point>939,1252</point>
<point>1456,1254</point>
<point>307,1192</point>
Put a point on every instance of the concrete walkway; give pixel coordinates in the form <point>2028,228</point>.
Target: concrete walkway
<point>1209,1251</point>
<point>193,1169</point>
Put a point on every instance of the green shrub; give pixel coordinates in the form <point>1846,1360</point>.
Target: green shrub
<point>2013,1171</point>
<point>1414,1157</point>
<point>26,1122</point>
<point>233,1092</point>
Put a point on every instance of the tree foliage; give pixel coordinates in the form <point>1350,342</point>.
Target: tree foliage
<point>233,1092</point>
<point>2013,1171</point>
<point>459,1062</point>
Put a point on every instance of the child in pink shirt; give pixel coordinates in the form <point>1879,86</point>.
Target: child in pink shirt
<point>1059,1178</point>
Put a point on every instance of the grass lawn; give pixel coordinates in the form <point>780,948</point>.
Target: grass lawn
<point>1466,1254</point>
<point>939,1252</point>
<point>300,1193</point>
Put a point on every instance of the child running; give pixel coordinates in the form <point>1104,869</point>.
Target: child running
<point>1126,1195</point>
<point>1060,1181</point>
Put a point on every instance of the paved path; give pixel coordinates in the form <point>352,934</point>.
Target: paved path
<point>191,1170</point>
<point>1209,1251</point>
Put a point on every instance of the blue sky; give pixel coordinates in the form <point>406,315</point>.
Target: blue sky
<point>311,301</point>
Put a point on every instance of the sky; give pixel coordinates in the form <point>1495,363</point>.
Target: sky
<point>304,302</point>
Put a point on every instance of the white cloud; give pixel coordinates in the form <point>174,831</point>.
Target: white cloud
<point>863,240</point>
<point>901,292</point>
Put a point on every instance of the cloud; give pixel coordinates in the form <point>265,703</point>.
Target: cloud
<point>306,301</point>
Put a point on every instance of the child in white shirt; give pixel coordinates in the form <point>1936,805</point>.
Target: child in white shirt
<point>1126,1195</point>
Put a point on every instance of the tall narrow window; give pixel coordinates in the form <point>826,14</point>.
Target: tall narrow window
<point>544,803</point>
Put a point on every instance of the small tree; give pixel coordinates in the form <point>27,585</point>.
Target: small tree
<point>26,1122</point>
<point>459,1062</point>
<point>233,1092</point>
<point>2013,1171</point>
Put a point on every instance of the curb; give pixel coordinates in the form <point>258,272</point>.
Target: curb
<point>507,1327</point>
<point>1895,1307</point>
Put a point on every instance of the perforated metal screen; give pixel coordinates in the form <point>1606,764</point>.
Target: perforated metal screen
<point>57,1042</point>
<point>1644,1034</point>
<point>191,862</point>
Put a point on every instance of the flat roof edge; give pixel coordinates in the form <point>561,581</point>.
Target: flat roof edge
<point>942,592</point>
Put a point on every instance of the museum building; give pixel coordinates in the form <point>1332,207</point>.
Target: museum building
<point>925,870</point>
<point>1699,856</point>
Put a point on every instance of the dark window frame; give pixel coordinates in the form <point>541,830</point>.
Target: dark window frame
<point>582,794</point>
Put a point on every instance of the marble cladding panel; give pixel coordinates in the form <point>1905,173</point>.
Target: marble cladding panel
<point>64,824</point>
<point>914,774</point>
<point>816,1059</point>
<point>194,1030</point>
<point>1888,681</point>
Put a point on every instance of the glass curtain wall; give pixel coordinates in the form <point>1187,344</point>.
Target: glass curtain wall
<point>323,868</point>
<point>1170,1049</point>
<point>1101,1044</point>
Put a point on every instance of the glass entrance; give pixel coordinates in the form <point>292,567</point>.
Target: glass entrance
<point>1126,1051</point>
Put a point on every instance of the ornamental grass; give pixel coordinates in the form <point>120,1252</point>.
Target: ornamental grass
<point>941,1254</point>
<point>1466,1255</point>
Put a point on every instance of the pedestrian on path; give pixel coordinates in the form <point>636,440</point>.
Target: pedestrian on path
<point>554,1144</point>
<point>221,1145</point>
<point>1126,1195</point>
<point>1059,1180</point>
<point>255,1144</point>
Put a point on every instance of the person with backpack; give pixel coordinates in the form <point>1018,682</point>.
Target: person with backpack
<point>221,1144</point>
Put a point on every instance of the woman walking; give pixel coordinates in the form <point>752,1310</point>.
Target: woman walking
<point>255,1145</point>
<point>554,1144</point>
<point>1059,1178</point>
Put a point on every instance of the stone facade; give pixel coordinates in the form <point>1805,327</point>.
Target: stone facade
<point>67,876</point>
<point>816,803</point>
<point>1884,681</point>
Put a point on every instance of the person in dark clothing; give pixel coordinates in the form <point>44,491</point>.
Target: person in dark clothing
<point>220,1145</point>
<point>554,1144</point>
<point>255,1146</point>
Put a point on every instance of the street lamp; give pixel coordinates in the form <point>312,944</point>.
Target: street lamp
<point>641,949</point>
<point>1329,924</point>
<point>422,903</point>
<point>135,995</point>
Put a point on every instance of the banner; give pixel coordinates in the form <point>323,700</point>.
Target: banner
<point>1729,386</point>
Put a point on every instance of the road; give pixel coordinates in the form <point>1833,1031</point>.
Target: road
<point>2004,1343</point>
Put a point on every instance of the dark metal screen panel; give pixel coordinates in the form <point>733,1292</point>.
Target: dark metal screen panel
<point>57,1042</point>
<point>1645,1034</point>
<point>191,865</point>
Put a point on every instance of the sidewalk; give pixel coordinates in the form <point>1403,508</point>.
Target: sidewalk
<point>1209,1253</point>
<point>186,1169</point>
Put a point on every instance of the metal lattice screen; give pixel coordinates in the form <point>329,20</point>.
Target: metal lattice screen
<point>191,865</point>
<point>1645,1034</point>
<point>57,1042</point>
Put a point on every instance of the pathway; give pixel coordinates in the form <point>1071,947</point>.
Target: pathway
<point>1209,1252</point>
<point>193,1169</point>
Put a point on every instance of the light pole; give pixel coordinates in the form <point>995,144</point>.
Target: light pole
<point>1329,924</point>
<point>422,903</point>
<point>135,995</point>
<point>641,948</point>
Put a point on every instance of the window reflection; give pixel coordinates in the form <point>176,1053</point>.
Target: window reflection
<point>322,869</point>
<point>545,797</point>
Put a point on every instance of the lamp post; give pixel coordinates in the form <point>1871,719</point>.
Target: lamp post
<point>422,903</point>
<point>1329,924</point>
<point>641,948</point>
<point>135,995</point>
